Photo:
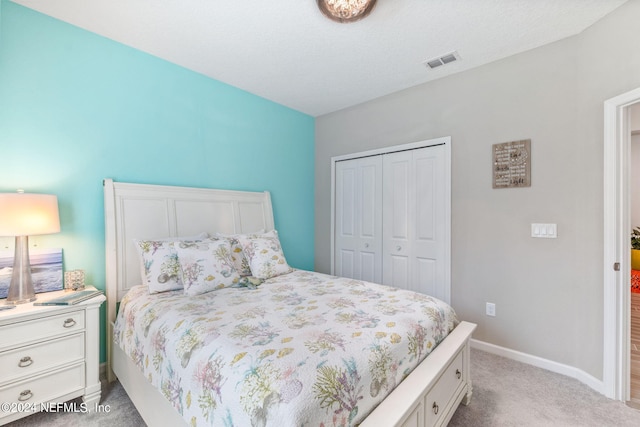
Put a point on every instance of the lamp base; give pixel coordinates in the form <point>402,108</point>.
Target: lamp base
<point>21,287</point>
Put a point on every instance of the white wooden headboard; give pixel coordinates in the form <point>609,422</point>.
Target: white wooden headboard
<point>142,211</point>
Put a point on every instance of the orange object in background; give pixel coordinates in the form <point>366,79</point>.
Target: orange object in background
<point>635,281</point>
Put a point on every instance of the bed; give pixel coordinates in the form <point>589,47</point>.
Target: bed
<point>288,336</point>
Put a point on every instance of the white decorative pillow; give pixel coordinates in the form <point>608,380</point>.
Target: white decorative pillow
<point>160,266</point>
<point>238,258</point>
<point>206,265</point>
<point>265,255</point>
<point>160,269</point>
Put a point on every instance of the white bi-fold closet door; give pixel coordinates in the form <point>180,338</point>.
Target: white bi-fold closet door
<point>391,217</point>
<point>358,218</point>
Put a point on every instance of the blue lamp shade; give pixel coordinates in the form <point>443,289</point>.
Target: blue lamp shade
<point>23,215</point>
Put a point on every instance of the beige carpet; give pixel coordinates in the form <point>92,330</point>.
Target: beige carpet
<point>508,393</point>
<point>505,393</point>
<point>121,413</point>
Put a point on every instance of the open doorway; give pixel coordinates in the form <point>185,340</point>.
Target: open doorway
<point>634,198</point>
<point>617,259</point>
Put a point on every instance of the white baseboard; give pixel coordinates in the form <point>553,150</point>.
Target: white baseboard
<point>539,362</point>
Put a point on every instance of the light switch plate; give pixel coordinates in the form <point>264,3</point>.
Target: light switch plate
<point>545,231</point>
<point>491,309</point>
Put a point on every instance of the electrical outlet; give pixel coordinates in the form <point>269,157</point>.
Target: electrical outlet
<point>491,309</point>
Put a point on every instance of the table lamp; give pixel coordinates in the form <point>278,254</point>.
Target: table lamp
<point>21,215</point>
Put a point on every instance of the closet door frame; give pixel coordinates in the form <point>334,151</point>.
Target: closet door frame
<point>446,142</point>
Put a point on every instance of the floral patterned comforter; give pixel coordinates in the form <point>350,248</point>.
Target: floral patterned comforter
<point>303,349</point>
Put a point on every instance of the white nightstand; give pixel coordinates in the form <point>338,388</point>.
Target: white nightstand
<point>49,354</point>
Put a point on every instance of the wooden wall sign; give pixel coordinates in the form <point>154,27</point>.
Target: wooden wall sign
<point>512,164</point>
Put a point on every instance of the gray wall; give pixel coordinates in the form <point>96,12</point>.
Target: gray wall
<point>548,292</point>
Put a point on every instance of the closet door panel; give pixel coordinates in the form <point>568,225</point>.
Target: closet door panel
<point>347,202</point>
<point>369,188</point>
<point>413,219</point>
<point>368,267</point>
<point>426,248</point>
<point>399,203</point>
<point>397,168</point>
<point>425,179</point>
<point>425,276</point>
<point>396,271</point>
<point>359,229</point>
<point>347,264</point>
<point>429,252</point>
<point>345,219</point>
<point>369,199</point>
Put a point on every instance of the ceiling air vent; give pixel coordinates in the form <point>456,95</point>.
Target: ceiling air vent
<point>445,59</point>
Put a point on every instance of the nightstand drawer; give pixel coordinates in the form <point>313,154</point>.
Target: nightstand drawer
<point>45,387</point>
<point>36,358</point>
<point>16,334</point>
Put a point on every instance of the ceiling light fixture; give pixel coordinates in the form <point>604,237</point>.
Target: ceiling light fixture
<point>346,10</point>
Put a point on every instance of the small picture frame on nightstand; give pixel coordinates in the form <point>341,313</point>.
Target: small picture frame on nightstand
<point>74,280</point>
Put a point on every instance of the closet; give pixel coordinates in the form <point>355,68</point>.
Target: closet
<point>391,216</point>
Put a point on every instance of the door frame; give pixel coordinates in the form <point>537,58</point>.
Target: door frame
<point>616,326</point>
<point>446,142</point>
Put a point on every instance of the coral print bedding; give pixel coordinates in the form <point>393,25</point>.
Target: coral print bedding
<point>301,349</point>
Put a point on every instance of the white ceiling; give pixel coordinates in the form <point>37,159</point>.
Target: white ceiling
<point>288,52</point>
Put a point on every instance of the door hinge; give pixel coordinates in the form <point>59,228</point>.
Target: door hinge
<point>616,266</point>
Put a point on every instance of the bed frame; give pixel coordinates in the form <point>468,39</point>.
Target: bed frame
<point>427,397</point>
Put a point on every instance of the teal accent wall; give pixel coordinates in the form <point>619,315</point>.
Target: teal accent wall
<point>76,107</point>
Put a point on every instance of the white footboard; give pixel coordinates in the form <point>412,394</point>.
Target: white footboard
<point>432,392</point>
<point>427,397</point>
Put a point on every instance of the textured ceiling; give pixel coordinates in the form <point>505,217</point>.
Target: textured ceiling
<point>288,52</point>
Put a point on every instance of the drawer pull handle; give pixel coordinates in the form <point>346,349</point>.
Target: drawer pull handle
<point>435,408</point>
<point>25,395</point>
<point>458,374</point>
<point>69,323</point>
<point>25,361</point>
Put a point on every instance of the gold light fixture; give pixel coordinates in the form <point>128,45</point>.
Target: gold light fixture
<point>346,10</point>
